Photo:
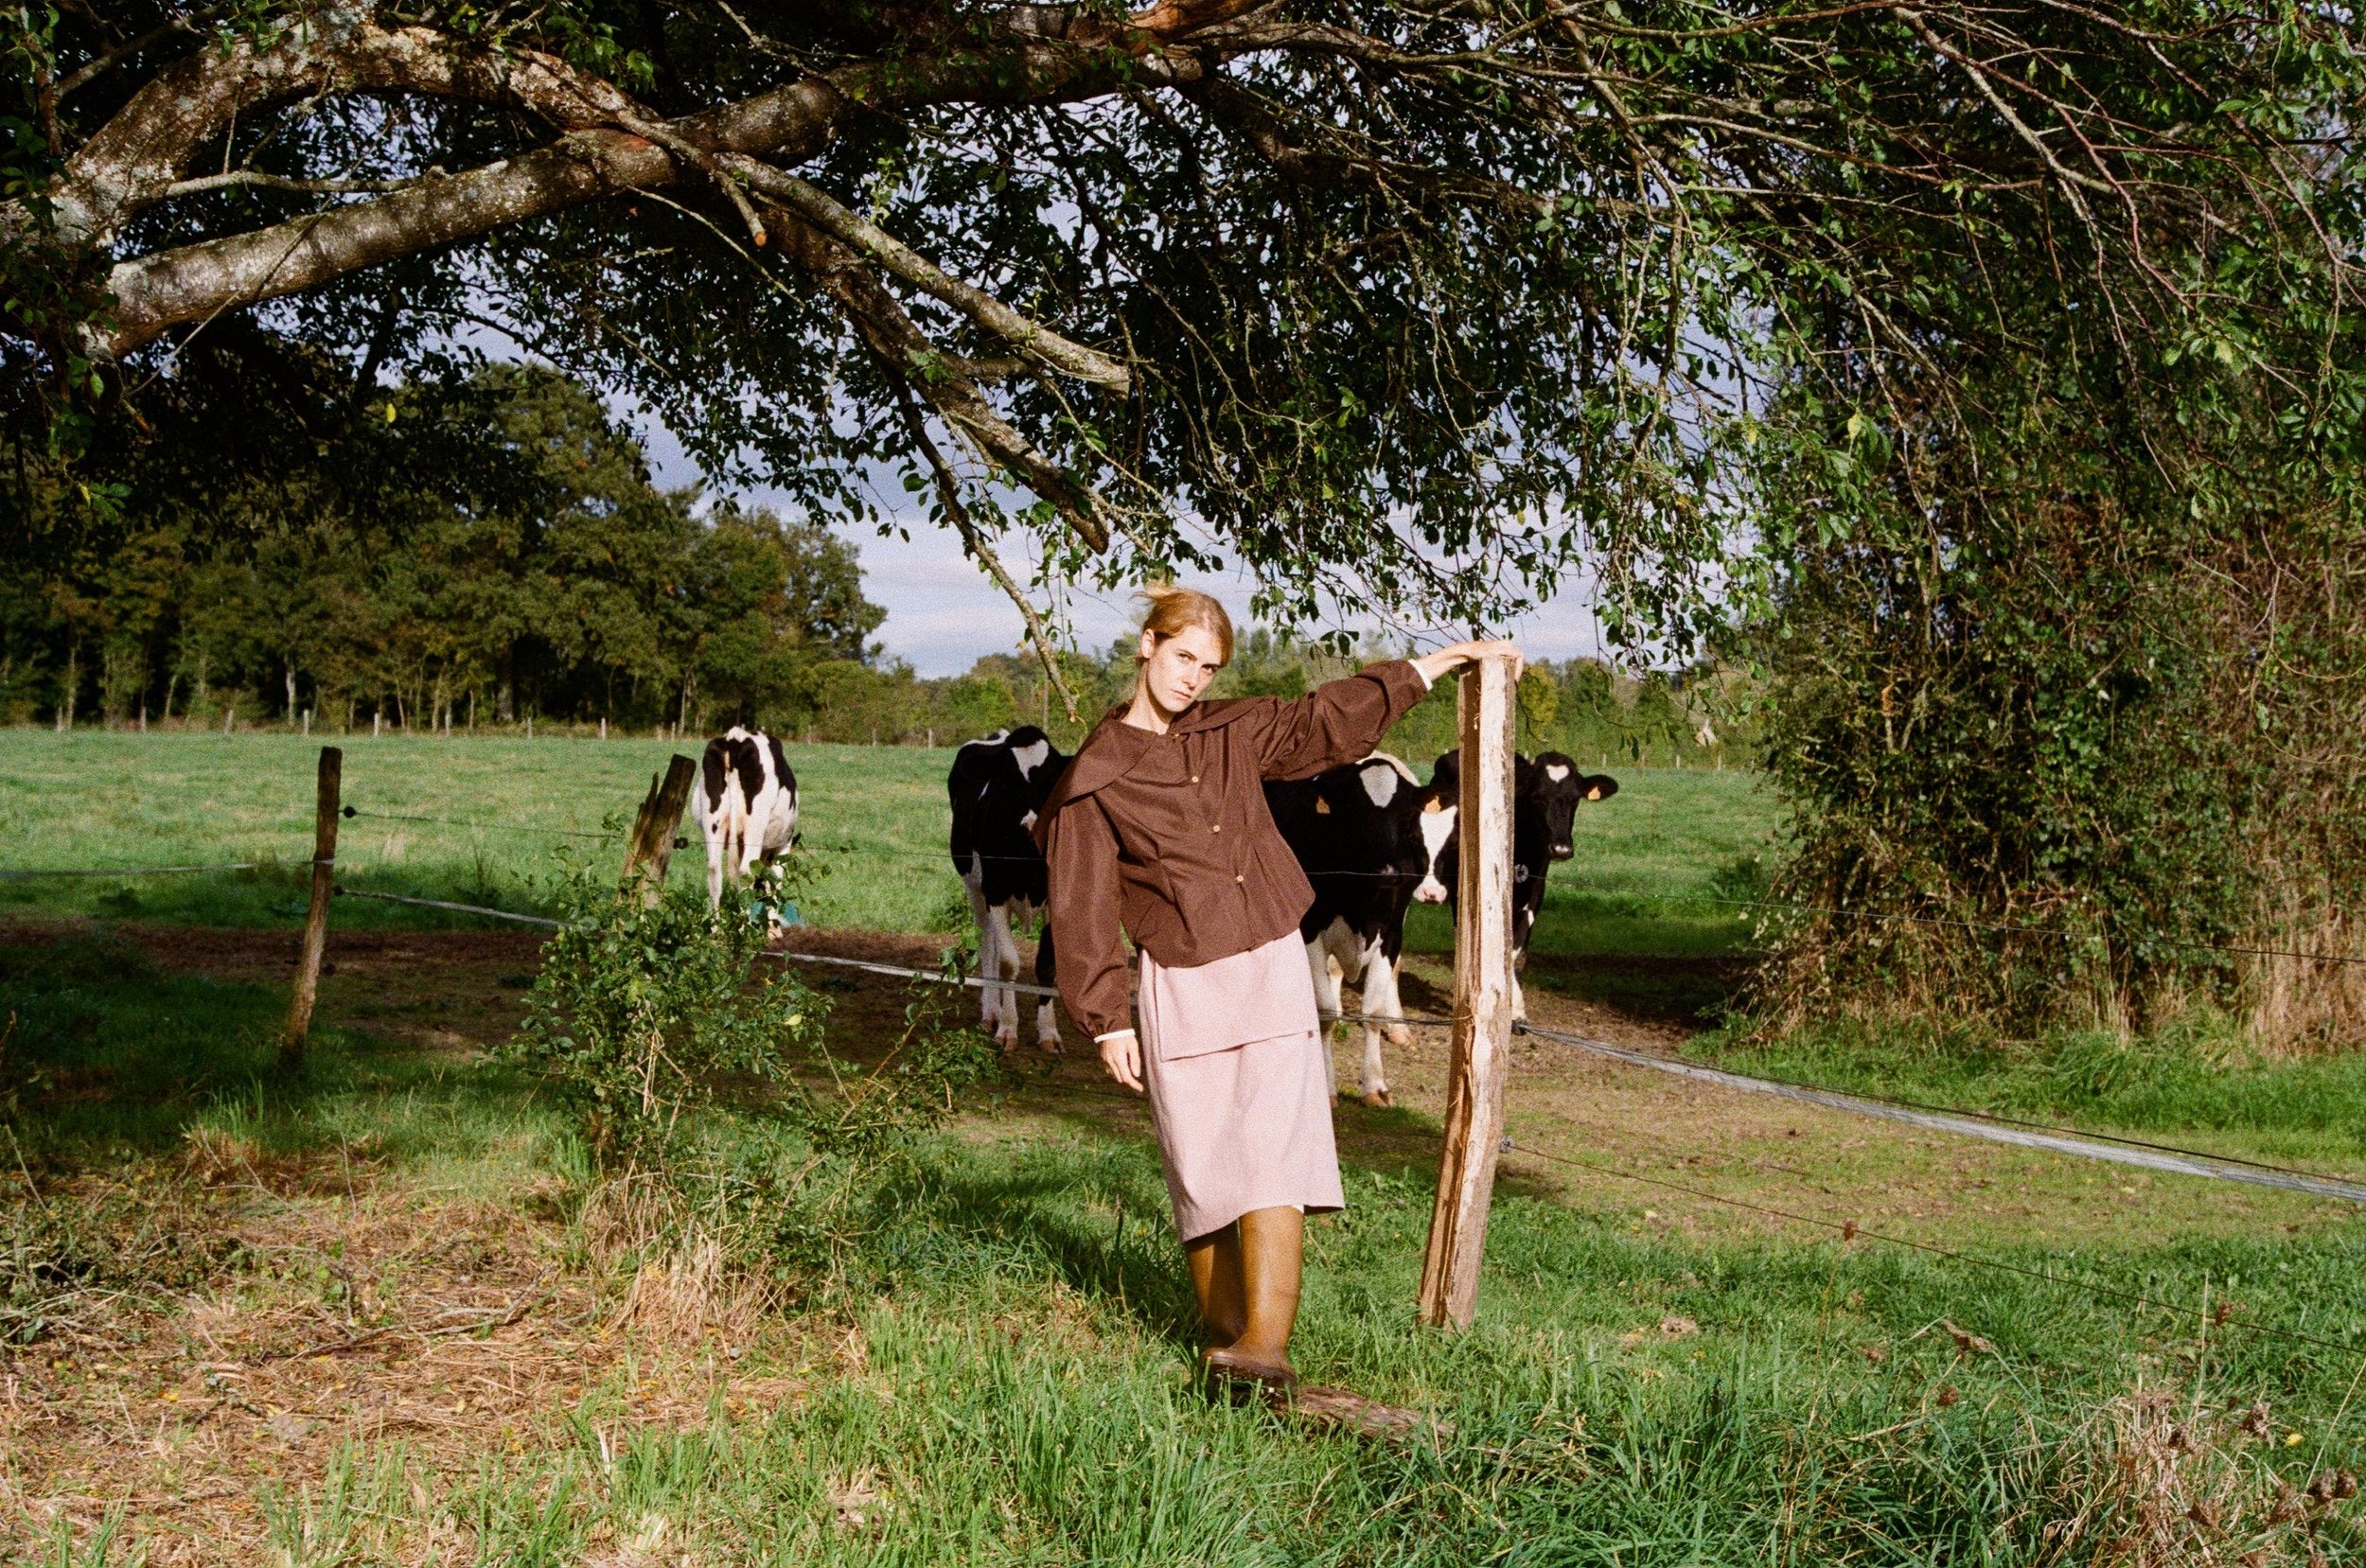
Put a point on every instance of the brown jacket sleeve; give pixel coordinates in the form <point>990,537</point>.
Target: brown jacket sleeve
<point>1339,722</point>
<point>1086,939</point>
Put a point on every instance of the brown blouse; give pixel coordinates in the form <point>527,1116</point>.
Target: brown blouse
<point>1168,835</point>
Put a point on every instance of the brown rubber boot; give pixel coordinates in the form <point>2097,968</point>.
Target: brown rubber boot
<point>1272,1247</point>
<point>1215,1260</point>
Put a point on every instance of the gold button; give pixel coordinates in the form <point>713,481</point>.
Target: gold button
<point>1195,778</point>
<point>1239,879</point>
<point>1217,827</point>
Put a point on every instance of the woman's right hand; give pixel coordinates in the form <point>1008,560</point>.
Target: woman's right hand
<point>1122,1054</point>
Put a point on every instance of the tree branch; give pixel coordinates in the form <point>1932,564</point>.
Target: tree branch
<point>1033,340</point>
<point>280,181</point>
<point>788,124</point>
<point>83,76</point>
<point>973,540</point>
<point>888,332</point>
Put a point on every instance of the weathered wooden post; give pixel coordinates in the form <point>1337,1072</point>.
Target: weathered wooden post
<point>651,849</point>
<point>1482,1007</point>
<point>331,784</point>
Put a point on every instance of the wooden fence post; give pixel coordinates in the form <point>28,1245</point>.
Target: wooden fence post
<point>308,981</point>
<point>651,850</point>
<point>1482,1007</point>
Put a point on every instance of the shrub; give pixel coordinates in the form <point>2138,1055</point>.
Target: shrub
<point>642,1009</point>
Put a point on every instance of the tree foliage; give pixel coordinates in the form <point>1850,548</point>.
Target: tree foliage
<point>2068,716</point>
<point>490,540</point>
<point>1414,303</point>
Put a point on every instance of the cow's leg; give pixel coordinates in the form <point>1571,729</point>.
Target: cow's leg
<point>1319,967</point>
<point>715,850</point>
<point>1379,1001</point>
<point>1519,997</point>
<point>1047,1008</point>
<point>982,917</point>
<point>1000,961</point>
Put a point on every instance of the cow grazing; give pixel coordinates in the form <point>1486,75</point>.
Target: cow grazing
<point>1546,791</point>
<point>997,786</point>
<point>747,805</point>
<point>1368,837</point>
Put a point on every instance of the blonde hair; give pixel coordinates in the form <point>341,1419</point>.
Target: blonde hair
<point>1169,609</point>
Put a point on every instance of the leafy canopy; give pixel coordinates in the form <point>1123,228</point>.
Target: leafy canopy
<point>1417,305</point>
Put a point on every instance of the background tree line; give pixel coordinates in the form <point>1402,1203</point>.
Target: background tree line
<point>486,546</point>
<point>478,550</point>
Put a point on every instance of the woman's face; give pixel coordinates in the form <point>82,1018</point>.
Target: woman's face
<point>1176,669</point>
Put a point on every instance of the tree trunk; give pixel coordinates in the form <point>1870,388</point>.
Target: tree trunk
<point>73,684</point>
<point>292,698</point>
<point>172,684</point>
<point>506,709</point>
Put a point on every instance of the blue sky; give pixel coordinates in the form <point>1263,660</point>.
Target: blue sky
<point>943,615</point>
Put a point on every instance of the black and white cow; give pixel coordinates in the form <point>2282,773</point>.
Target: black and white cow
<point>1368,837</point>
<point>997,786</point>
<point>1546,790</point>
<point>747,805</point>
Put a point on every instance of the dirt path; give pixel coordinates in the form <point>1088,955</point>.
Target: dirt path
<point>460,991</point>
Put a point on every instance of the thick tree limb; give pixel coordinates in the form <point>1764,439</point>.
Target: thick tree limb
<point>1033,340</point>
<point>136,159</point>
<point>789,124</point>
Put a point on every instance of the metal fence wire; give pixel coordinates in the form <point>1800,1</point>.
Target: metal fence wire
<point>2149,1155</point>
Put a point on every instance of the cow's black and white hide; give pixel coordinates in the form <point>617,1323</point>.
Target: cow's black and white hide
<point>1546,790</point>
<point>747,804</point>
<point>1368,837</point>
<point>997,786</point>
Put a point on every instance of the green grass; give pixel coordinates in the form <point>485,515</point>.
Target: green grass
<point>1020,1395</point>
<point>1644,856</point>
<point>112,1058</point>
<point>2192,1076</point>
<point>873,820</point>
<point>1630,1395</point>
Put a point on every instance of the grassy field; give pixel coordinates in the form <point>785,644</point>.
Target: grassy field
<point>384,1312</point>
<point>873,820</point>
<point>1001,1377</point>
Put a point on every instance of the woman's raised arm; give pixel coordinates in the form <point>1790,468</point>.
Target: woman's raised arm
<point>1341,721</point>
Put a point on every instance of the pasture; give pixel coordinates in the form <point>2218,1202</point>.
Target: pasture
<point>386,1313</point>
<point>873,820</point>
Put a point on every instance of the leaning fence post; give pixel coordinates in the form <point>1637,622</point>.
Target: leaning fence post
<point>651,850</point>
<point>308,981</point>
<point>1482,1009</point>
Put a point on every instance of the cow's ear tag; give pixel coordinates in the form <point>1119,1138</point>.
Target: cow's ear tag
<point>1435,805</point>
<point>1322,807</point>
<point>1595,793</point>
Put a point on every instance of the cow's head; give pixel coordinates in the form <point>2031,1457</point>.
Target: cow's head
<point>1553,788</point>
<point>1441,808</point>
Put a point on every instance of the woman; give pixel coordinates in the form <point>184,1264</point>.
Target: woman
<point>1160,828</point>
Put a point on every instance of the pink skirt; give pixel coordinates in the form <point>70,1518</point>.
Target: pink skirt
<point>1240,1084</point>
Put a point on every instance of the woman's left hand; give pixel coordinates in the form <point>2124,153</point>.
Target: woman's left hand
<point>1447,659</point>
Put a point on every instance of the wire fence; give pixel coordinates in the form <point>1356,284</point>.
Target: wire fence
<point>32,874</point>
<point>1521,874</point>
<point>1982,1125</point>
